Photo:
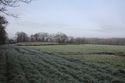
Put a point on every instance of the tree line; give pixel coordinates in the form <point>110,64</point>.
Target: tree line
<point>44,37</point>
<point>62,38</point>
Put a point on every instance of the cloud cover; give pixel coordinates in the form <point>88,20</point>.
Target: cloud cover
<point>84,18</point>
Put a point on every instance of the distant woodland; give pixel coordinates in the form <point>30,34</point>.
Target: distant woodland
<point>62,38</point>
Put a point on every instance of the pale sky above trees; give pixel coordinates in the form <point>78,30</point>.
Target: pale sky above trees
<point>79,18</point>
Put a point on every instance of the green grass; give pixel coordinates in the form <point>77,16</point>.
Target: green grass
<point>111,54</point>
<point>32,65</point>
<point>82,49</point>
<point>117,61</point>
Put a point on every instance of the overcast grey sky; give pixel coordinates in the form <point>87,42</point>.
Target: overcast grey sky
<point>79,18</point>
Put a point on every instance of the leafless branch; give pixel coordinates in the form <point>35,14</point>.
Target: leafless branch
<point>4,4</point>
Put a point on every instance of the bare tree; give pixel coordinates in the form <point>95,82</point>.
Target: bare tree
<point>43,37</point>
<point>22,37</point>
<point>3,35</point>
<point>4,4</point>
<point>36,37</point>
<point>61,38</point>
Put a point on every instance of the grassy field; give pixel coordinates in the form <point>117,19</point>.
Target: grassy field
<point>36,43</point>
<point>82,49</point>
<point>93,53</point>
<point>62,64</point>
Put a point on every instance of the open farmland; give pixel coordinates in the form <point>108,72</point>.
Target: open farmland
<point>82,49</point>
<point>111,54</point>
<point>56,64</point>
